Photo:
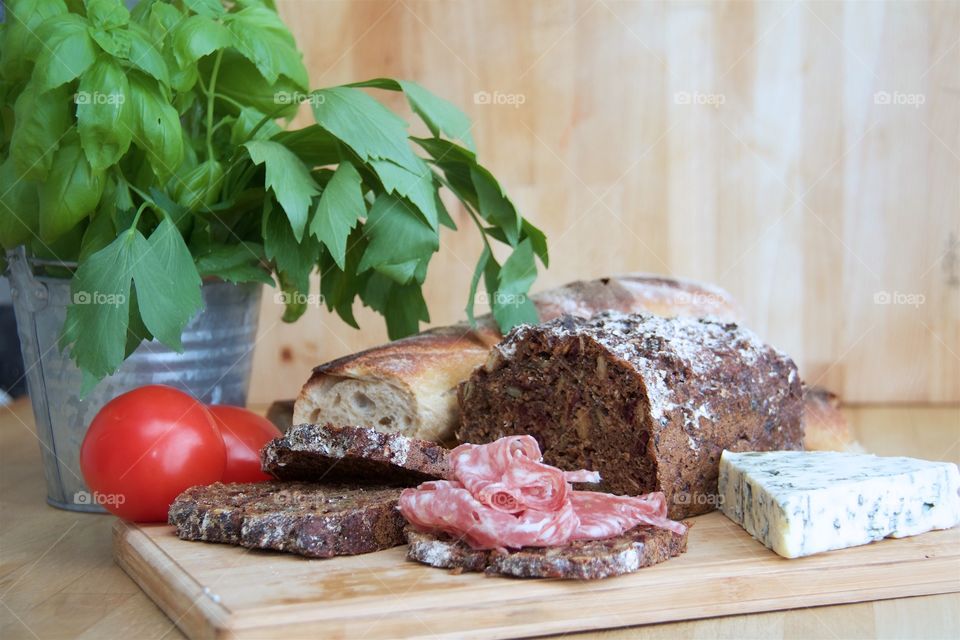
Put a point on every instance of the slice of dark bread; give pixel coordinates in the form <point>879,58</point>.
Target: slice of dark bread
<point>649,402</point>
<point>580,560</point>
<point>359,455</point>
<point>317,521</point>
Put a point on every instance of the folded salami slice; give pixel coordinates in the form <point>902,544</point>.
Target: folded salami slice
<point>501,496</point>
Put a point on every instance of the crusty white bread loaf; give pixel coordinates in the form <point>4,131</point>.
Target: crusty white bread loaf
<point>410,385</point>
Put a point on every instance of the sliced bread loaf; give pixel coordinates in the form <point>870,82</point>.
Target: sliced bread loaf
<point>317,521</point>
<point>359,455</point>
<point>649,402</point>
<point>580,560</point>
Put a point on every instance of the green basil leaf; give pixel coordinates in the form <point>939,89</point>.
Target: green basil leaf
<point>168,285</point>
<point>538,240</point>
<point>443,214</point>
<point>243,129</point>
<point>198,36</point>
<point>294,260</point>
<point>260,35</point>
<point>234,263</point>
<point>163,18</point>
<point>511,304</point>
<point>240,81</point>
<point>163,21</point>
<point>288,178</point>
<point>97,320</point>
<point>68,51</point>
<point>116,42</point>
<point>208,8</point>
<point>340,286</point>
<point>402,306</point>
<point>339,208</point>
<point>364,125</point>
<point>418,188</point>
<point>146,56</point>
<point>40,120</point>
<point>446,150</point>
<point>396,234</point>
<point>312,144</point>
<point>100,232</point>
<point>107,14</point>
<point>494,205</point>
<point>19,208</point>
<point>155,125</point>
<point>71,192</point>
<point>439,115</point>
<point>474,283</point>
<point>21,46</point>
<point>137,331</point>
<point>200,187</point>
<point>103,116</point>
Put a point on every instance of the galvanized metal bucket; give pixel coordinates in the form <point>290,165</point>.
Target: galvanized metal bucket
<point>214,367</point>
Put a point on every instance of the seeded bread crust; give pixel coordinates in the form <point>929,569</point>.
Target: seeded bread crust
<point>316,521</point>
<point>649,402</point>
<point>358,455</point>
<point>580,560</point>
<point>410,385</point>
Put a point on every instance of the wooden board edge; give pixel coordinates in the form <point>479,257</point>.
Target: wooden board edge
<point>168,584</point>
<point>530,617</point>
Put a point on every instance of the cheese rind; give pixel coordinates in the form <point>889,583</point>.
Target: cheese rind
<point>803,502</point>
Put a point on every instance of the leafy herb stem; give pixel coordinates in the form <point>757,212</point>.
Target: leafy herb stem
<point>136,221</point>
<point>211,96</point>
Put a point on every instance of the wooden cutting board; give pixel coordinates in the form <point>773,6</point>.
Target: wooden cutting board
<point>219,591</point>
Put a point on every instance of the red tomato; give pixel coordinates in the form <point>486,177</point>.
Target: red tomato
<point>244,433</point>
<point>145,447</point>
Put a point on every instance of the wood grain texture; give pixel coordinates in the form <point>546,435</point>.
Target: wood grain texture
<point>225,591</point>
<point>58,579</point>
<point>744,143</point>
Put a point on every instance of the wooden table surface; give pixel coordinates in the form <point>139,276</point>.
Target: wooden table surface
<point>58,579</point>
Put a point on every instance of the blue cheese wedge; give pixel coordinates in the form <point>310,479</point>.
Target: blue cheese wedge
<point>803,502</point>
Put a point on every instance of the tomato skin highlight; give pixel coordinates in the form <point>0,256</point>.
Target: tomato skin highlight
<point>244,434</point>
<point>147,446</point>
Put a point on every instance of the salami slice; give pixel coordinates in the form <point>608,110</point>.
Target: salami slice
<point>502,496</point>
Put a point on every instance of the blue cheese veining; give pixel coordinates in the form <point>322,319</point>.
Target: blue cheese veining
<point>803,502</point>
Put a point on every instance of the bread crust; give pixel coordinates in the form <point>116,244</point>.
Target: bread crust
<point>579,560</point>
<point>409,385</point>
<point>359,455</point>
<point>316,521</point>
<point>649,402</point>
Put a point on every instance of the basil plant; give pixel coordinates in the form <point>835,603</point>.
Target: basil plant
<point>146,147</point>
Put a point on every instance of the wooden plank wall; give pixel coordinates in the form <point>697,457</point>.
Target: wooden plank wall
<point>802,155</point>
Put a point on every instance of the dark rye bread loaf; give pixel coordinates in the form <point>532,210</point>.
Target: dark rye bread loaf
<point>649,402</point>
<point>317,521</point>
<point>359,455</point>
<point>580,560</point>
